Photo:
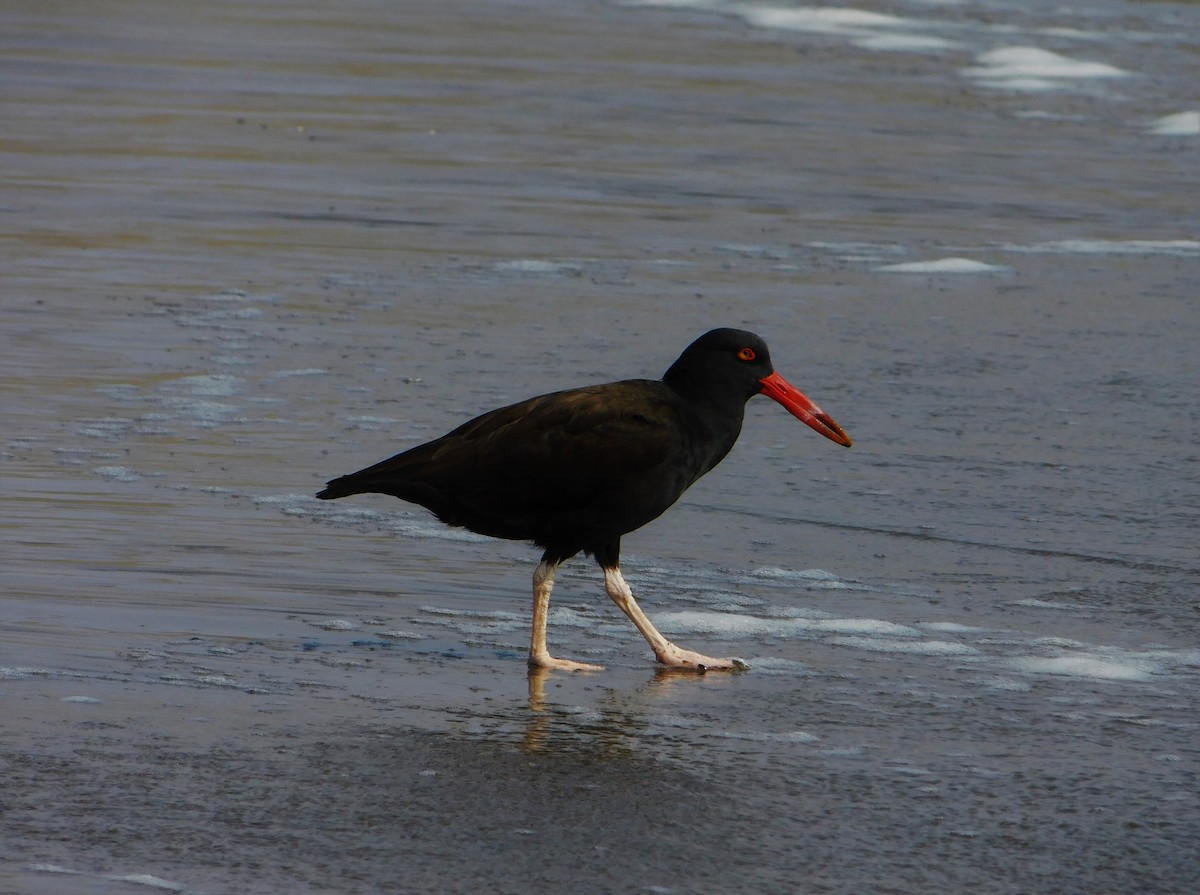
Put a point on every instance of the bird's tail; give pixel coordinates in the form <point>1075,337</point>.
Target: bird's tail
<point>401,476</point>
<point>367,482</point>
<point>343,487</point>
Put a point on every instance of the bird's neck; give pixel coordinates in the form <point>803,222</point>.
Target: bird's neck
<point>708,394</point>
<point>710,419</point>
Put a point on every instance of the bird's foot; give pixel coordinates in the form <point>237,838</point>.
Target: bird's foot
<point>675,657</point>
<point>548,661</point>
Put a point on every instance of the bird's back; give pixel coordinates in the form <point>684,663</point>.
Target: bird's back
<point>575,468</point>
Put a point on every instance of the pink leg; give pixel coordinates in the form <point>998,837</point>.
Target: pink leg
<point>539,656</point>
<point>666,652</point>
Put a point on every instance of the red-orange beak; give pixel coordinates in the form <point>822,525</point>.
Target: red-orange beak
<point>803,408</point>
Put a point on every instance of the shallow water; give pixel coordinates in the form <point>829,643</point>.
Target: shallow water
<point>249,249</point>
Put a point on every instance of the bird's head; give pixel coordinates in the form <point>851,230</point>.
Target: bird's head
<point>725,360</point>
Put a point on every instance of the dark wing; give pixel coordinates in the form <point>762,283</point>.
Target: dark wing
<point>549,462</point>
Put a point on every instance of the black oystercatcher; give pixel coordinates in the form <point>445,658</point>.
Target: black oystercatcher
<point>575,470</point>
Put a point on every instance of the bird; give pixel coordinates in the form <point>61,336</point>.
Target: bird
<point>573,471</point>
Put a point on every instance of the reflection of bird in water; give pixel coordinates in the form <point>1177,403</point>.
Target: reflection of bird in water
<point>558,728</point>
<point>575,470</point>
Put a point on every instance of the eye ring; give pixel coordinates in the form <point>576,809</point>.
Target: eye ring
<point>746,354</point>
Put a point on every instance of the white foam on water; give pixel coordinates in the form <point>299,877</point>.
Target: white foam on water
<point>117,473</point>
<point>791,736</point>
<point>499,615</point>
<point>1137,720</point>
<point>1034,603</point>
<point>534,265</point>
<point>398,634</point>
<point>216,385</point>
<point>822,19</point>
<point>148,879</point>
<point>904,43</point>
<point>871,626</point>
<point>202,413</point>
<point>441,610</point>
<point>566,617</point>
<point>86,700</point>
<point>694,622</point>
<point>813,579</point>
<point>226,295</point>
<point>1003,684</point>
<point>943,265</point>
<point>843,751</point>
<point>1185,248</point>
<point>1105,663</point>
<point>140,879</point>
<point>911,647</point>
<point>953,628</point>
<point>231,314</point>
<point>860,252</point>
<point>774,665</point>
<point>215,680</point>
<point>700,622</point>
<point>481,629</point>
<point>793,574</point>
<point>229,360</point>
<point>120,391</point>
<point>681,722</point>
<point>1043,115</point>
<point>372,423</point>
<point>676,4</point>
<point>1073,33</point>
<point>752,250</point>
<point>1034,69</point>
<point>1181,124</point>
<point>107,427</point>
<point>333,624</point>
<point>218,319</point>
<point>863,28</point>
<point>17,672</point>
<point>484,623</point>
<point>1085,666</point>
<point>1061,642</point>
<point>305,371</point>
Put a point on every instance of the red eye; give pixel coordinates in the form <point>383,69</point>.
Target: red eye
<point>747,354</point>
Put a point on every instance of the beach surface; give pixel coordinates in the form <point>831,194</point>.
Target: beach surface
<point>248,248</point>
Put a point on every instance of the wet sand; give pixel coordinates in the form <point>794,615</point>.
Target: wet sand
<point>247,250</point>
